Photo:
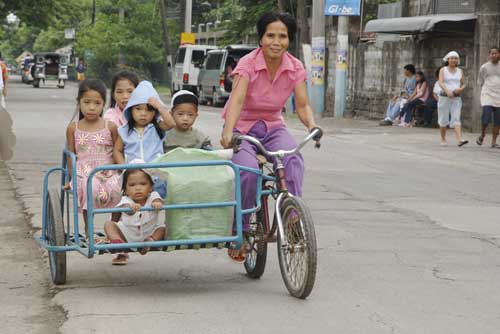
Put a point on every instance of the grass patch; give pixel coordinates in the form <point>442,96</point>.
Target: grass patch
<point>163,90</point>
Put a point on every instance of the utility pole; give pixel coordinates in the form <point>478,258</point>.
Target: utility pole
<point>318,57</point>
<point>302,25</point>
<point>341,65</point>
<point>281,5</point>
<point>93,12</point>
<point>121,16</point>
<point>485,36</point>
<point>166,40</point>
<point>188,15</point>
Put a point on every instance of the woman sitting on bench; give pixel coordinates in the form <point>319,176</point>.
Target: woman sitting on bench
<point>419,97</point>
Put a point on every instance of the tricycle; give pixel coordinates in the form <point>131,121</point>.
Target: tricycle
<point>292,225</point>
<point>49,65</point>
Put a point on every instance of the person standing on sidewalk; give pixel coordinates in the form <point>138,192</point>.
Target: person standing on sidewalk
<point>80,71</point>
<point>452,83</point>
<point>489,80</point>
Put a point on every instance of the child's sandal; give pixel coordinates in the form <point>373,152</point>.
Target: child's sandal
<point>120,260</point>
<point>238,255</point>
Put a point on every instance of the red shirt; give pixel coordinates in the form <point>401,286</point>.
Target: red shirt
<point>5,72</point>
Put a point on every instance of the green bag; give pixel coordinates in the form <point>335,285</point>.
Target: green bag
<point>192,185</point>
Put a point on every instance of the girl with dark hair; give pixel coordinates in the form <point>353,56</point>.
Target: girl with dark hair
<point>135,226</point>
<point>263,80</point>
<point>419,97</point>
<point>92,139</point>
<point>143,136</point>
<point>122,86</point>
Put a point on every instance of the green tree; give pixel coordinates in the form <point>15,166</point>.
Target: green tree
<point>138,38</point>
<point>239,17</point>
<point>41,25</point>
<point>49,40</point>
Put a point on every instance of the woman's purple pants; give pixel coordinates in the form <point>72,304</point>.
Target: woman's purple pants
<point>274,140</point>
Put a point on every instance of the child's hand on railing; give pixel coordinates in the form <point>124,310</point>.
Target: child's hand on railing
<point>157,204</point>
<point>135,207</point>
<point>67,186</point>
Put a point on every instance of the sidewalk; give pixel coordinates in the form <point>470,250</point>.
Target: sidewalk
<point>24,285</point>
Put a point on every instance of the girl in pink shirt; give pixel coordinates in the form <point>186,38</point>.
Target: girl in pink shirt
<point>263,81</point>
<point>122,86</point>
<point>419,97</point>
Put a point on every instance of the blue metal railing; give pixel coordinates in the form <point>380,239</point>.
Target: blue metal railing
<point>75,245</point>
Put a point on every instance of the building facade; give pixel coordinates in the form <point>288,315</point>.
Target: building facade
<point>426,31</point>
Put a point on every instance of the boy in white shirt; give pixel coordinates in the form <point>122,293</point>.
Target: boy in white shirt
<point>489,80</point>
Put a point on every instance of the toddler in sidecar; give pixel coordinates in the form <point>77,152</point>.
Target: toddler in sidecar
<point>136,226</point>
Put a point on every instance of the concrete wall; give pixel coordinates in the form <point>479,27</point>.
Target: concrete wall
<point>376,71</point>
<point>420,7</point>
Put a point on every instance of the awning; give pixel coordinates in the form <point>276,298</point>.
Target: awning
<point>419,24</point>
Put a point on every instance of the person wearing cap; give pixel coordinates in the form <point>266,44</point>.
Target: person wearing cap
<point>184,110</point>
<point>263,81</point>
<point>136,226</point>
<point>452,84</point>
<point>143,135</point>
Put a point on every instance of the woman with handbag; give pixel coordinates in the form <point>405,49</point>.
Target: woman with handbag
<point>452,84</point>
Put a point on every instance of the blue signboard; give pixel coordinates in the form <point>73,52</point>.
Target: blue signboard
<point>342,7</point>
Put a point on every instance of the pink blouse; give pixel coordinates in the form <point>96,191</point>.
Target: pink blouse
<point>115,115</point>
<point>265,99</point>
<point>421,93</point>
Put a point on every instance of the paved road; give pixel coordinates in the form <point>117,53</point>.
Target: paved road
<point>407,234</point>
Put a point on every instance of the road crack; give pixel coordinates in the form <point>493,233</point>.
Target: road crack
<point>436,272</point>
<point>487,240</point>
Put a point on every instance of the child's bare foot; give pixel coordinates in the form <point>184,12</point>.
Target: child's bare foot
<point>144,250</point>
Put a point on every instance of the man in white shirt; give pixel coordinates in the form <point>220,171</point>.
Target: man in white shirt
<point>489,80</point>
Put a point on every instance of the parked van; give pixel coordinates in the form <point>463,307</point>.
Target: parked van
<point>214,83</point>
<point>188,61</point>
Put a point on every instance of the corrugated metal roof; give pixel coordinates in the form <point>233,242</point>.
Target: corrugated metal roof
<point>416,24</point>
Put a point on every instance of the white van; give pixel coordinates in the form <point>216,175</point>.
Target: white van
<point>188,61</point>
<point>214,82</point>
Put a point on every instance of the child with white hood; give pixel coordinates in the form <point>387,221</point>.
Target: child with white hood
<point>143,136</point>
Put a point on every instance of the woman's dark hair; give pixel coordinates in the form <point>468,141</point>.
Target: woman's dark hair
<point>88,85</point>
<point>437,71</point>
<point>122,75</point>
<point>410,68</point>
<point>422,75</point>
<point>271,17</point>
<point>131,122</point>
<point>129,172</point>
